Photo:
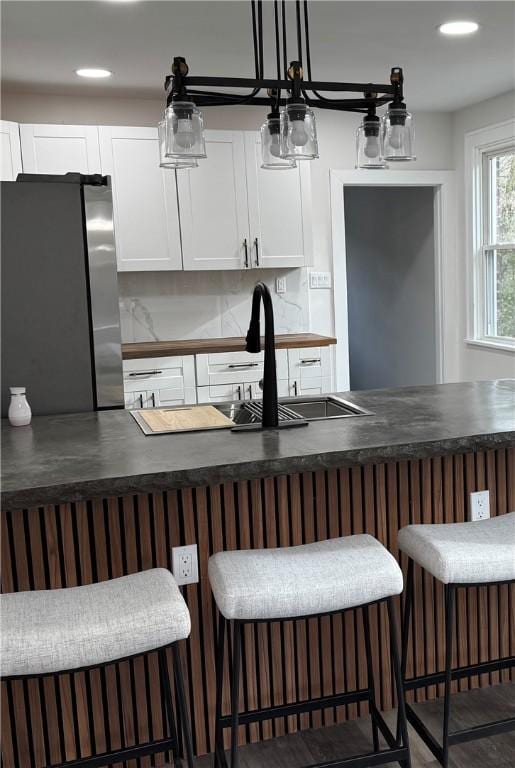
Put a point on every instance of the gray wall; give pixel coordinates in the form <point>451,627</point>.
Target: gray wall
<point>390,285</point>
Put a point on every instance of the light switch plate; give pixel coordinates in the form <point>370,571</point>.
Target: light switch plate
<point>320,280</point>
<point>479,505</point>
<point>185,564</point>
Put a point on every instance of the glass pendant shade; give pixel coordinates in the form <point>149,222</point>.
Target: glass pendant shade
<point>184,131</point>
<point>170,162</point>
<point>368,145</point>
<point>398,135</point>
<point>298,133</point>
<point>271,146</point>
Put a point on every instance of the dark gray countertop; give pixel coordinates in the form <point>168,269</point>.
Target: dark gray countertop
<point>81,456</point>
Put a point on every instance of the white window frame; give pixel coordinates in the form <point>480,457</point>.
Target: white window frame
<point>480,146</point>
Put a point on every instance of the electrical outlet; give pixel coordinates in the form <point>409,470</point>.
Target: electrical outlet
<point>185,564</point>
<point>280,285</point>
<point>480,505</point>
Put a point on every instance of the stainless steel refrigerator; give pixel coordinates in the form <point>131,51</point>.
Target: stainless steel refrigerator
<point>60,315</point>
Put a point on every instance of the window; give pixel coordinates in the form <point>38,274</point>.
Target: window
<point>499,244</point>
<point>490,155</point>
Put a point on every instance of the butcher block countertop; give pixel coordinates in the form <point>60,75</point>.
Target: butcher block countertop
<point>141,349</point>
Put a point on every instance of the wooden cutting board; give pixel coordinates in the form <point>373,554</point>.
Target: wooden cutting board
<point>185,419</point>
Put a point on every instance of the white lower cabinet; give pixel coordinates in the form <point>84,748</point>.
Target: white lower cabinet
<point>309,371</point>
<point>222,377</point>
<point>159,382</point>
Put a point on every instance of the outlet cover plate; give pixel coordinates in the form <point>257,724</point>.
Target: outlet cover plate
<point>479,505</point>
<point>280,285</point>
<point>185,564</point>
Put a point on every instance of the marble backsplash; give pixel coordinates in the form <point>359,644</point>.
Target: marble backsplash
<point>160,306</point>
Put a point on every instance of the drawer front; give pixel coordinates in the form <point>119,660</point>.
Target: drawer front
<point>156,373</point>
<point>236,367</point>
<point>308,364</point>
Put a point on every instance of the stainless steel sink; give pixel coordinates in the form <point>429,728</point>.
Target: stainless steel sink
<point>323,407</point>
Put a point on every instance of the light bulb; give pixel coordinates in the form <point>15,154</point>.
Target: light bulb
<point>371,148</point>
<point>299,135</point>
<point>184,137</point>
<point>396,136</point>
<point>275,145</point>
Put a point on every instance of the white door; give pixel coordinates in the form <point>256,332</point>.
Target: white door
<point>145,210</point>
<point>60,148</point>
<point>10,152</point>
<point>279,211</point>
<point>213,206</point>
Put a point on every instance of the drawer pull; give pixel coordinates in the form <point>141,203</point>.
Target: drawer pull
<point>145,373</point>
<point>310,361</point>
<point>243,365</point>
<point>246,248</point>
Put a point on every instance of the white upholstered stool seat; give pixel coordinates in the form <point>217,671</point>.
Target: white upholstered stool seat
<point>464,553</point>
<point>305,580</point>
<point>62,629</point>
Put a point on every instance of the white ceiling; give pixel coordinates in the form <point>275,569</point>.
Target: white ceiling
<point>44,42</point>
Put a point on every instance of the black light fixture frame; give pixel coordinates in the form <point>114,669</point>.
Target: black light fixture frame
<point>289,85</point>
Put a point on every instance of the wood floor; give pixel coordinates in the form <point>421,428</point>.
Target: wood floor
<point>468,708</point>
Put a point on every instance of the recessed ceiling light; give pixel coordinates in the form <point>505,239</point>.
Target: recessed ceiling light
<point>458,27</point>
<point>93,72</point>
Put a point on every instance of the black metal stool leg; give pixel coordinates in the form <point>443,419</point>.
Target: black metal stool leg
<point>406,618</point>
<point>450,593</point>
<point>168,703</point>
<point>181,703</point>
<point>235,689</point>
<point>219,761</point>
<point>370,676</point>
<point>402,722</point>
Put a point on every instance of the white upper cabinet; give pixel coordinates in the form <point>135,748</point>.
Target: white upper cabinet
<point>144,200</point>
<point>60,148</point>
<point>10,152</point>
<point>213,206</point>
<point>279,211</point>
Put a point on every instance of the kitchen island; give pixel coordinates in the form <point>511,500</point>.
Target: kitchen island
<point>87,497</point>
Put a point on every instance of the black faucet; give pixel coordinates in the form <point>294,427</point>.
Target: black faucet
<point>270,409</point>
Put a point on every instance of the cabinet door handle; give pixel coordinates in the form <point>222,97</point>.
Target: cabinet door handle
<point>153,399</point>
<point>141,401</point>
<point>145,373</point>
<point>246,249</point>
<point>243,365</point>
<point>256,245</point>
<point>250,391</point>
<point>295,389</point>
<point>238,391</point>
<point>310,360</point>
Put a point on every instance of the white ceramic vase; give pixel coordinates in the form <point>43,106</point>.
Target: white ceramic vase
<point>19,412</point>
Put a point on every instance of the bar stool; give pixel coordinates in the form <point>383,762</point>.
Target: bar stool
<point>45,632</point>
<point>462,555</point>
<point>292,583</point>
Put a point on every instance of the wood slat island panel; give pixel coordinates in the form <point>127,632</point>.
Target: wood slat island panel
<point>136,350</point>
<point>69,544</point>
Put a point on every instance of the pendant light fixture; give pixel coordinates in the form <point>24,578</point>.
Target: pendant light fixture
<point>369,152</point>
<point>271,144</point>
<point>170,162</point>
<point>398,134</point>
<point>289,132</point>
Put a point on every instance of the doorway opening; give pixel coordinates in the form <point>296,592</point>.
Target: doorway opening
<point>393,250</point>
<point>391,294</point>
